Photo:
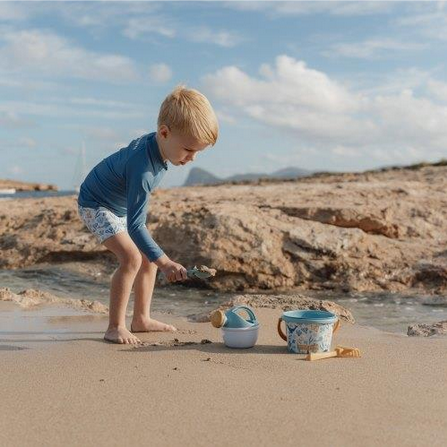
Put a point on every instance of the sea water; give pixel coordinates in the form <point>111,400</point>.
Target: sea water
<point>36,194</point>
<point>392,312</point>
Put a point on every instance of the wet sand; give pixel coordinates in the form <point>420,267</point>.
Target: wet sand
<point>62,385</point>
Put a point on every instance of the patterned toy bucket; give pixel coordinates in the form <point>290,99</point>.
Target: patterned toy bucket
<point>308,330</point>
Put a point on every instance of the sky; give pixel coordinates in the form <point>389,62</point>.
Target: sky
<point>325,86</point>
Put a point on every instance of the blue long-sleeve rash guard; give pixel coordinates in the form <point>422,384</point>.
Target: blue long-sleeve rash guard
<point>123,183</point>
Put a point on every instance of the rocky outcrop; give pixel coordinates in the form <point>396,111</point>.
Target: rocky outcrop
<point>30,298</point>
<point>428,330</point>
<point>349,232</point>
<point>43,230</point>
<point>291,302</point>
<point>283,302</point>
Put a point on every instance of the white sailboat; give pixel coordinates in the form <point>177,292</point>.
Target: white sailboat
<point>80,169</point>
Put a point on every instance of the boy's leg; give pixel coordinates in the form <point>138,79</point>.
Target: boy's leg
<point>129,258</point>
<point>143,289</point>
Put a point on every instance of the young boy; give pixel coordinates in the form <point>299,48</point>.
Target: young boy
<point>113,205</point>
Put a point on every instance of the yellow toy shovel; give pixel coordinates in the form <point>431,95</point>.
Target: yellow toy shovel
<point>340,351</point>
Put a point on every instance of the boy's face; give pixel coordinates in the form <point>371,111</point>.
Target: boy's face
<point>178,149</point>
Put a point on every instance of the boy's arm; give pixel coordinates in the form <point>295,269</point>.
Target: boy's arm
<point>138,193</point>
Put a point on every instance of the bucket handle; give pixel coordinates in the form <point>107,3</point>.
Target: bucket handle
<point>336,327</point>
<point>280,332</point>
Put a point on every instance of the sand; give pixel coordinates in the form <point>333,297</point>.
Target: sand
<point>62,385</point>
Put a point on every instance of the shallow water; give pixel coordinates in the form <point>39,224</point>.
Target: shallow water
<point>392,312</point>
<point>178,300</point>
<point>36,194</point>
<point>386,311</point>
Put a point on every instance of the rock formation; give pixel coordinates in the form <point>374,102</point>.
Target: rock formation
<point>284,302</point>
<point>372,231</point>
<point>428,330</point>
<point>30,298</point>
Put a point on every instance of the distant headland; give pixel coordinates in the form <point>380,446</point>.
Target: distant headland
<point>14,186</point>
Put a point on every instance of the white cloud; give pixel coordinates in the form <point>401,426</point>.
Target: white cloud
<point>432,24</point>
<point>438,89</point>
<point>336,8</point>
<point>221,38</point>
<point>350,8</point>
<point>345,151</point>
<point>224,116</point>
<point>60,109</point>
<point>324,114</point>
<point>135,20</point>
<point>289,82</point>
<point>94,16</point>
<point>88,101</point>
<point>101,133</point>
<point>138,27</point>
<point>371,48</point>
<point>143,26</point>
<point>390,82</point>
<point>410,119</point>
<point>48,53</point>
<point>160,73</point>
<point>12,12</point>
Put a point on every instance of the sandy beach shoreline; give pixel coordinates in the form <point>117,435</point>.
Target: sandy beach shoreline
<point>62,385</point>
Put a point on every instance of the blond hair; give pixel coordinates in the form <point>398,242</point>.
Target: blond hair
<point>188,112</point>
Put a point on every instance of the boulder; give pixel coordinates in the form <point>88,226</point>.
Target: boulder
<point>427,330</point>
<point>283,302</point>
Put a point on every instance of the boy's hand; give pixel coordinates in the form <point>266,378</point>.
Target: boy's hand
<point>172,270</point>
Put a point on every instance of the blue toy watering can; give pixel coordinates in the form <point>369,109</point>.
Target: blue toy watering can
<point>232,318</point>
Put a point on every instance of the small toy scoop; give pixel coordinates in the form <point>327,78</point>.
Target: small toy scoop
<point>340,351</point>
<point>202,272</point>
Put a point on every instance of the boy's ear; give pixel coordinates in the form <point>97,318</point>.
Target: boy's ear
<point>164,130</point>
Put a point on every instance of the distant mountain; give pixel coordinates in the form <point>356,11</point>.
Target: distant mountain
<point>199,176</point>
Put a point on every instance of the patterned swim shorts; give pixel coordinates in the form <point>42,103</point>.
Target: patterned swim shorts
<point>102,222</point>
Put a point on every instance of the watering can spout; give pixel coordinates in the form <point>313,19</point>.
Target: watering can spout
<point>218,318</point>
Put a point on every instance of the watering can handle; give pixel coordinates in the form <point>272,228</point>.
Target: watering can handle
<point>247,309</point>
<point>280,332</point>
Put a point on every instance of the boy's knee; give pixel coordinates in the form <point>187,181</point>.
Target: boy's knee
<point>132,261</point>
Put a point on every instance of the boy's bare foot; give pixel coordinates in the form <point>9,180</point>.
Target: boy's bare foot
<point>151,325</point>
<point>121,335</point>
